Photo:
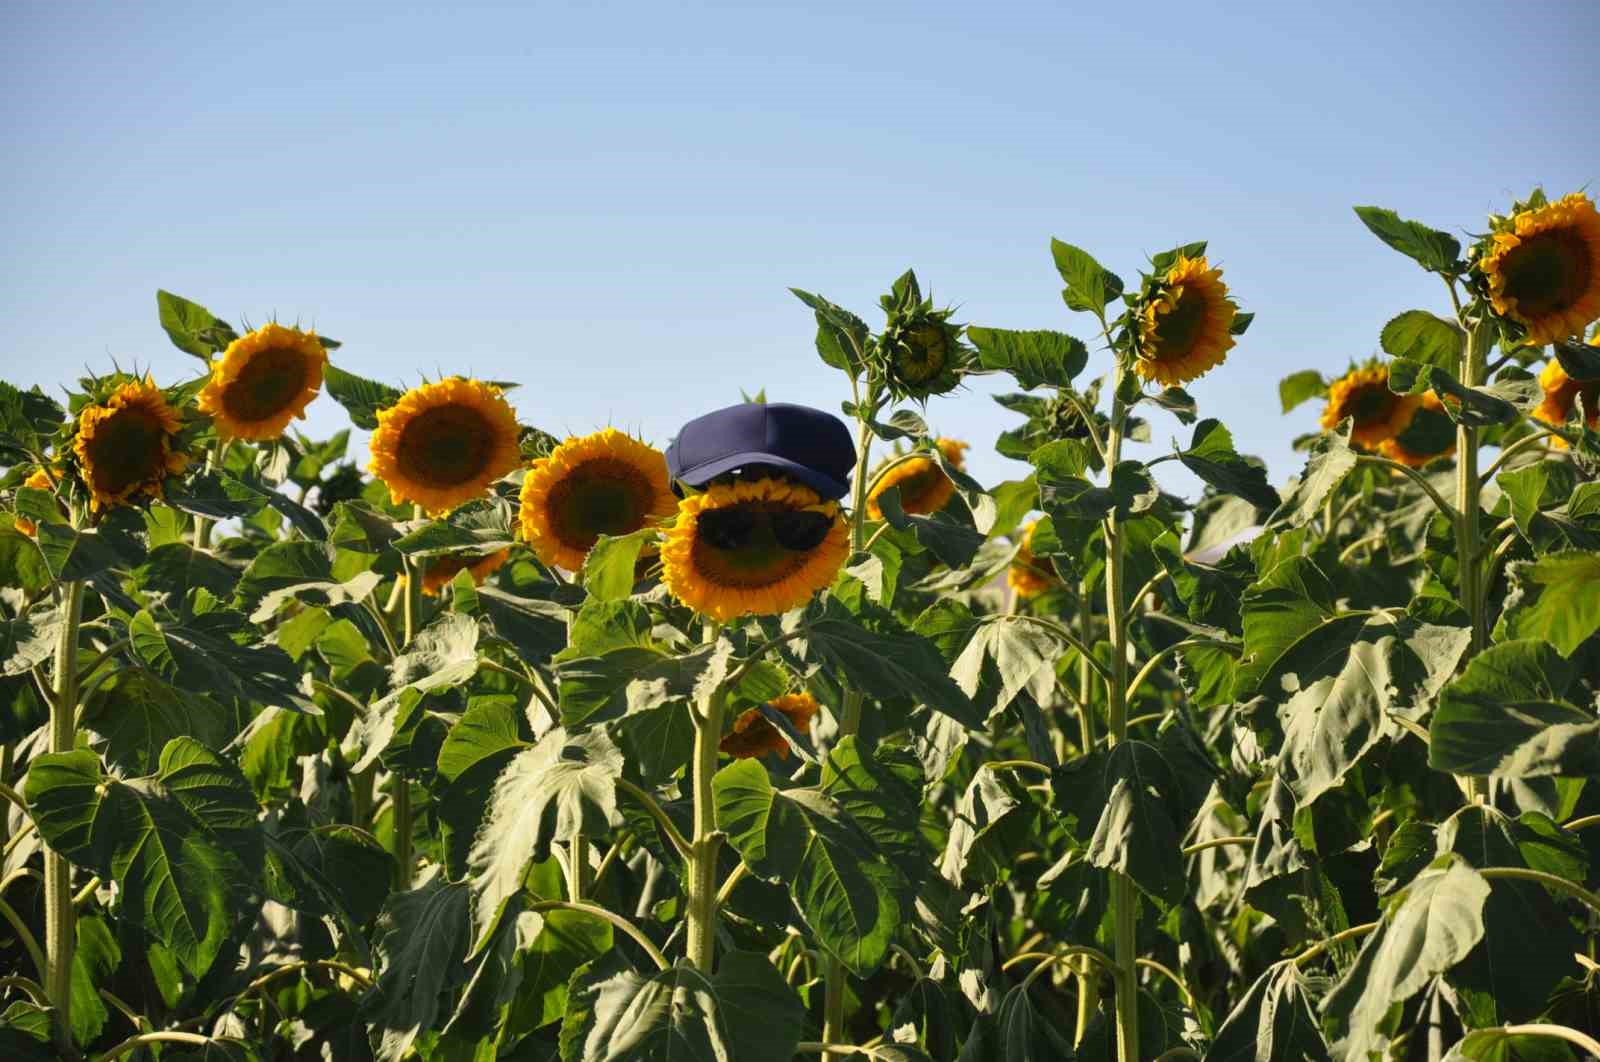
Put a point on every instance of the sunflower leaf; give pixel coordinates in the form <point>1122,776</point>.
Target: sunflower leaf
<point>192,328</point>
<point>889,666</point>
<point>954,543</point>
<point>1581,361</point>
<point>1090,286</point>
<point>1036,358</point>
<point>1211,457</point>
<point>1424,337</point>
<point>1435,251</point>
<point>609,569</point>
<point>1331,460</point>
<point>1474,407</point>
<point>841,336</point>
<point>361,398</point>
<point>1300,387</point>
<point>1556,600</point>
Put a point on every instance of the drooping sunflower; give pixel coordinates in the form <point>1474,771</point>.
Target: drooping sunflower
<point>1379,413</point>
<point>1543,268</point>
<point>1185,327</point>
<point>1028,576</point>
<point>1430,435</point>
<point>753,547</point>
<point>38,479</point>
<point>444,443</point>
<point>124,444</point>
<point>924,488</point>
<point>1561,394</point>
<point>263,381</point>
<point>440,571</point>
<point>606,483</point>
<point>754,735</point>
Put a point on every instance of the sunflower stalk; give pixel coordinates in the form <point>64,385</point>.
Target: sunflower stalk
<point>60,932</point>
<point>402,790</point>
<point>707,840</point>
<point>1474,594</point>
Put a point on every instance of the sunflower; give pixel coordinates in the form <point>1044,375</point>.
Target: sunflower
<point>758,574</point>
<point>924,488</point>
<point>1027,577</point>
<point>1561,394</point>
<point>443,443</point>
<point>124,445</point>
<point>441,571</point>
<point>262,381</point>
<point>39,479</point>
<point>1364,395</point>
<point>754,735</point>
<point>1184,329</point>
<point>1543,268</point>
<point>1430,435</point>
<point>607,483</point>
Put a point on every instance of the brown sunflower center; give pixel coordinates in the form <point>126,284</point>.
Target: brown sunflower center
<point>269,381</point>
<point>126,450</point>
<point>445,445</point>
<point>916,490</point>
<point>1178,329</point>
<point>922,354</point>
<point>600,497</point>
<point>759,561</point>
<point>1369,403</point>
<point>1548,272</point>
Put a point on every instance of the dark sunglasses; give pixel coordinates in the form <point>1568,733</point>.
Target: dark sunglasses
<point>794,529</point>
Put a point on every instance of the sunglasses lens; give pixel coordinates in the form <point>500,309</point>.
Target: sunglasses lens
<point>726,528</point>
<point>800,530</point>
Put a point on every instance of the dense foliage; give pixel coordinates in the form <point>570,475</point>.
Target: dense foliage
<point>504,751</point>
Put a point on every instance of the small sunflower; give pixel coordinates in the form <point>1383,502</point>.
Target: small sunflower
<point>1379,413</point>
<point>263,381</point>
<point>754,573</point>
<point>1027,576</point>
<point>1185,327</point>
<point>924,488</point>
<point>1430,435</point>
<point>440,571</point>
<point>754,735</point>
<point>444,443</point>
<point>124,445</point>
<point>1561,394</point>
<point>39,479</point>
<point>1543,268</point>
<point>921,348</point>
<point>607,483</point>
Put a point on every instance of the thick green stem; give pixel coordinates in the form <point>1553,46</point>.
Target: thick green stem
<point>1474,595</point>
<point>59,933</point>
<point>1124,898</point>
<point>401,797</point>
<point>707,842</point>
<point>1085,670</point>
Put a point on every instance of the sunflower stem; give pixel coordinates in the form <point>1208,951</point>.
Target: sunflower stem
<point>1124,900</point>
<point>1474,595</point>
<point>707,841</point>
<point>402,790</point>
<point>59,914</point>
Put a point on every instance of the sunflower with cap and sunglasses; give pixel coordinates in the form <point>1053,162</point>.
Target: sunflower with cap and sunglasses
<point>758,529</point>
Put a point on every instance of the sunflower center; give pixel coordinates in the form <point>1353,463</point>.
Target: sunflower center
<point>445,445</point>
<point>1547,272</point>
<point>269,381</point>
<point>1178,329</point>
<point>127,450</point>
<point>604,496</point>
<point>922,356</point>
<point>1369,403</point>
<point>759,561</point>
<point>915,488</point>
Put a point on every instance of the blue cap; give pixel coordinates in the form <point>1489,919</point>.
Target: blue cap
<point>807,444</point>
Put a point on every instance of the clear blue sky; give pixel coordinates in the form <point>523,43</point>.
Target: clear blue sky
<point>608,201</point>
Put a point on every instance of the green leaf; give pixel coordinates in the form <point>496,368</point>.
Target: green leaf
<point>564,785</point>
<point>334,870</point>
<point>1503,1045</point>
<point>192,328</point>
<point>1072,497</point>
<point>1435,251</point>
<point>176,568</point>
<point>136,715</point>
<point>1211,457</point>
<point>203,655</point>
<point>71,554</point>
<point>1435,925</point>
<point>28,641</point>
<point>1024,1034</point>
<point>608,570</point>
<point>1475,407</point>
<point>479,527</point>
<point>1036,358</point>
<point>841,335</point>
<point>1580,361</point>
<point>889,666</point>
<point>1426,338</point>
<point>423,939</point>
<point>22,566</point>
<point>1556,600</point>
<point>1089,285</point>
<point>989,826</point>
<point>1506,716</point>
<point>1330,461</point>
<point>1273,1020</point>
<point>27,419</point>
<point>361,398</point>
<point>950,540</point>
<point>1006,656</point>
<point>1137,834</point>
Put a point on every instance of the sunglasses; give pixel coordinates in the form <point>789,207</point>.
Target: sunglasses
<point>793,529</point>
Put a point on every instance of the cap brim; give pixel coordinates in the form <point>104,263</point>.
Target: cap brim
<point>824,484</point>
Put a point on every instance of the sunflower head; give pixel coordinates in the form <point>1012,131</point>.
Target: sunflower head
<point>1185,323</point>
<point>443,444</point>
<point>38,479</point>
<point>438,572</point>
<point>607,483</point>
<point>125,444</point>
<point>1561,395</point>
<point>753,734</point>
<point>924,488</point>
<point>1430,435</point>
<point>1541,266</point>
<point>263,381</point>
<point>921,349</point>
<point>753,547</point>
<point>1363,394</point>
<point>1028,576</point>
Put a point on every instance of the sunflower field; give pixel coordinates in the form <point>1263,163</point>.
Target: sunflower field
<point>493,745</point>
